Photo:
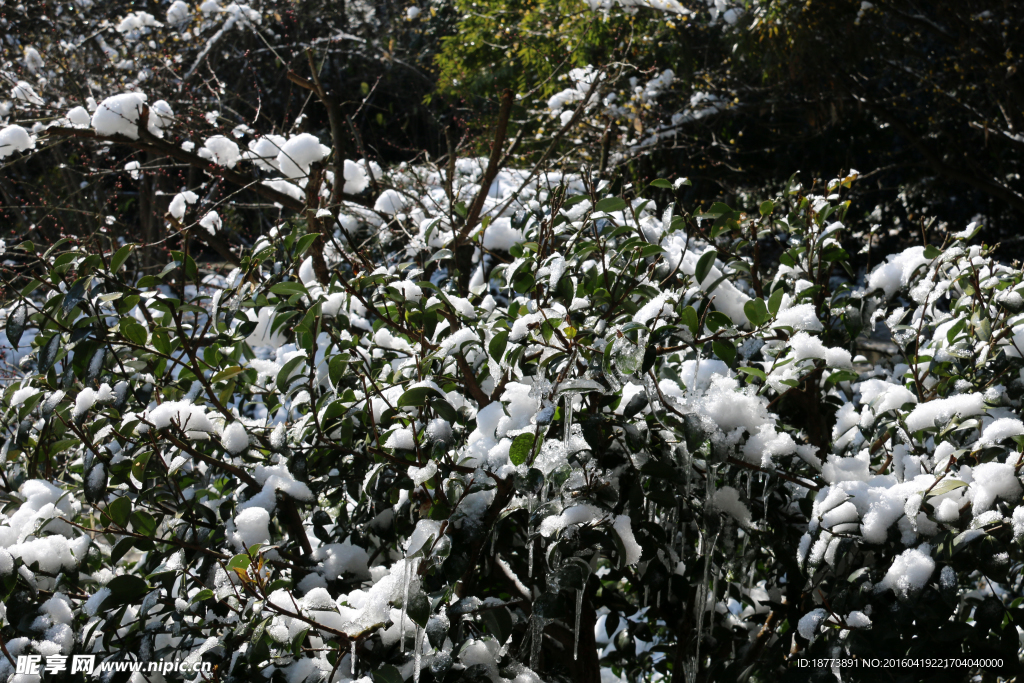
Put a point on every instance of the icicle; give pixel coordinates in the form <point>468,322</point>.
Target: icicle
<point>576,640</point>
<point>405,602</point>
<point>417,648</point>
<point>536,640</point>
<point>567,421</point>
<point>657,600</point>
<point>353,653</point>
<point>647,593</point>
<point>529,570</point>
<point>750,478</point>
<point>708,550</point>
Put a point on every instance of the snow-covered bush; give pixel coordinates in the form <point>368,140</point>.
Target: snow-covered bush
<point>506,426</point>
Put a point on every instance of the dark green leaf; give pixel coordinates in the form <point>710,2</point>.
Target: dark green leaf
<point>704,264</point>
<point>522,447</point>
<point>288,288</point>
<point>16,324</point>
<point>417,396</point>
<point>775,301</point>
<point>119,511</point>
<point>120,256</point>
<point>610,204</point>
<point>126,588</point>
<point>498,344</point>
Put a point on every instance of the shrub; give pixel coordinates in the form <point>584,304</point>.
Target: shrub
<point>409,441</point>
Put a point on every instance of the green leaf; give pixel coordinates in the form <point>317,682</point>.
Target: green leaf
<point>717,209</point>
<point>204,594</point>
<point>49,353</point>
<point>946,486</point>
<point>297,641</point>
<point>439,255</point>
<point>498,344</point>
<point>766,207</point>
<point>521,448</point>
<point>756,372</point>
<point>387,674</point>
<point>716,320</point>
<point>610,204</point>
<point>665,185</point>
<point>239,561</point>
<point>75,294</point>
<point>288,288</point>
<point>724,350</point>
<point>227,373</point>
<point>119,511</point>
<point>444,409</point>
<point>120,256</point>
<point>304,243</point>
<point>134,332</point>
<point>143,523</point>
<point>417,396</point>
<point>120,548</point>
<point>16,324</point>
<point>704,264</point>
<point>689,317</point>
<point>284,377</point>
<point>418,608</point>
<point>337,367</point>
<point>756,312</point>
<point>499,620</point>
<point>775,301</point>
<point>126,588</point>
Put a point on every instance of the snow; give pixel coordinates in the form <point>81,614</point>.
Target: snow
<point>211,222</point>
<point>85,400</point>
<point>221,150</point>
<point>342,558</point>
<point>92,605</point>
<point>234,439</point>
<point>299,153</point>
<point>33,60</point>
<point>808,625</point>
<point>909,573</point>
<point>942,410</point>
<point>178,13</point>
<point>1001,429</point>
<point>624,530</point>
<point>577,514</point>
<point>390,202</point>
<point>79,117</point>
<point>993,480</point>
<point>185,414</point>
<point>801,317</point>
<point>15,139</point>
<point>727,499</point>
<point>805,346</point>
<point>24,92</point>
<point>263,151</point>
<point>897,271</point>
<point>119,115</point>
<point>857,619</point>
<point>22,395</point>
<point>179,203</point>
<point>252,526</point>
<point>501,236</point>
<point>422,474</point>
